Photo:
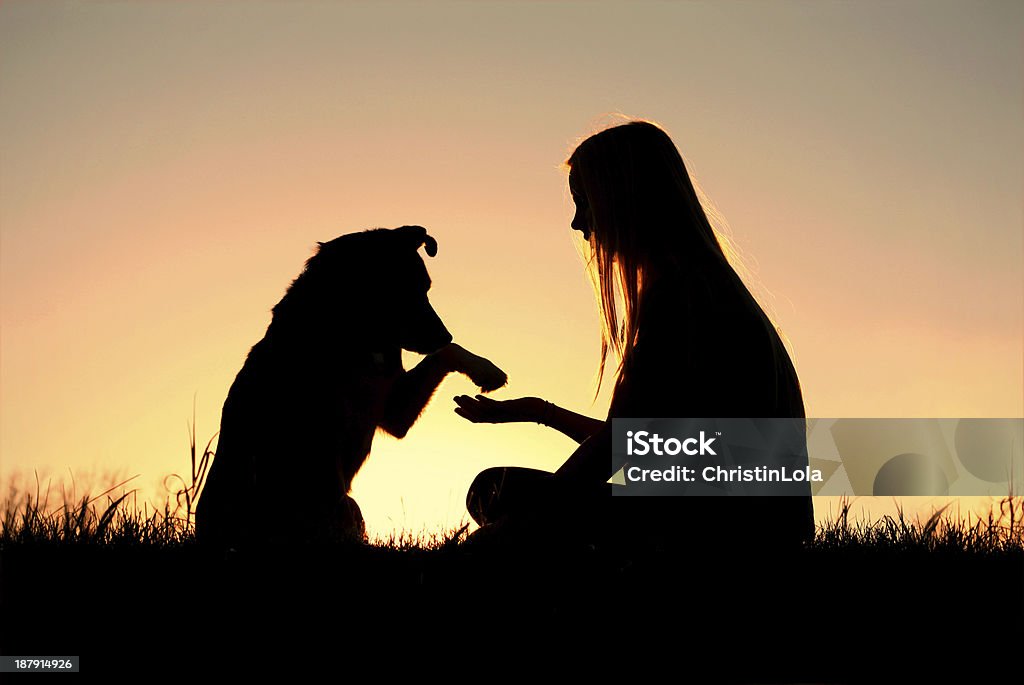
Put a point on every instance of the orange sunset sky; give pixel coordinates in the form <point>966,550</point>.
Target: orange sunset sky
<point>166,168</point>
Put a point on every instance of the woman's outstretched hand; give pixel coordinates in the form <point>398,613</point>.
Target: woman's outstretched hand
<point>485,410</point>
<point>482,409</point>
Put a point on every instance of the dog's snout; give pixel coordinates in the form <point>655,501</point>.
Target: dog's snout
<point>427,333</point>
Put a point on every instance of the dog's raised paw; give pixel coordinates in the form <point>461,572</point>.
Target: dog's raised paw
<point>494,384</point>
<point>485,374</point>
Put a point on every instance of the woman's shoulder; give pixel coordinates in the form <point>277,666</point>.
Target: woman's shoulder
<point>695,286</point>
<point>703,345</point>
<point>700,305</point>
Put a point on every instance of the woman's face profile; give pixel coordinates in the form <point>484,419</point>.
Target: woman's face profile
<point>581,221</point>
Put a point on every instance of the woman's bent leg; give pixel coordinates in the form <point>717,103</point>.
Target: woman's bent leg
<point>503,490</point>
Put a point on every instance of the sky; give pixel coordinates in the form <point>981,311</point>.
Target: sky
<point>166,168</point>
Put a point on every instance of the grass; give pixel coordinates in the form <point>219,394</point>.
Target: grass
<point>29,518</point>
<point>69,561</point>
<point>1000,532</point>
<point>103,519</point>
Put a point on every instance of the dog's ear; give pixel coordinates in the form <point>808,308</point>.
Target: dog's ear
<point>430,245</point>
<point>417,235</point>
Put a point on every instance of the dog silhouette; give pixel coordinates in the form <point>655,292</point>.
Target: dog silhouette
<point>300,417</point>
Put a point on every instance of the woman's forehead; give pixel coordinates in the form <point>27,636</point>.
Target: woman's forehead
<point>574,180</point>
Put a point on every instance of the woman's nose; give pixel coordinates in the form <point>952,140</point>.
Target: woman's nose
<point>578,222</point>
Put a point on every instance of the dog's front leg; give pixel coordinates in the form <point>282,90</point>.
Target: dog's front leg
<point>414,388</point>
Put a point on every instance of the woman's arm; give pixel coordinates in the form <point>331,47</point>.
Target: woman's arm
<point>576,426</point>
<point>591,463</point>
<point>527,409</point>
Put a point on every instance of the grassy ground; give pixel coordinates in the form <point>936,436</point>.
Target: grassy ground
<point>97,577</point>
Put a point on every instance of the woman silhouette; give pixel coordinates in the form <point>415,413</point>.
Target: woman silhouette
<point>691,342</point>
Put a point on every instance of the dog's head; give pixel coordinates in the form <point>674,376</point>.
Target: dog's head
<point>372,286</point>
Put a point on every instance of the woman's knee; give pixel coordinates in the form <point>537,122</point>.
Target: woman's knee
<point>487,479</point>
<point>482,492</point>
<point>498,490</point>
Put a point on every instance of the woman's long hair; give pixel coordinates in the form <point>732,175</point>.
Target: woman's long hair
<point>646,218</point>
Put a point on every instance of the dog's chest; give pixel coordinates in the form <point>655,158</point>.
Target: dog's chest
<point>372,386</point>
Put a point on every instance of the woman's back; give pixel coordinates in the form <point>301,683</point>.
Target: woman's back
<point>705,349</point>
